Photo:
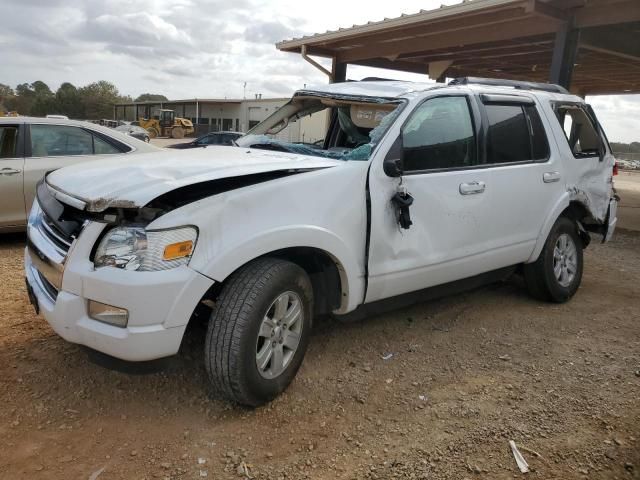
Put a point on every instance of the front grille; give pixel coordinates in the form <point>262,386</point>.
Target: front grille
<point>49,289</point>
<point>59,239</point>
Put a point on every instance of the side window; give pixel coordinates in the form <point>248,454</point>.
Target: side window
<point>579,130</point>
<point>508,134</point>
<point>60,140</point>
<point>66,140</point>
<point>439,134</point>
<point>539,142</point>
<point>102,147</point>
<point>515,134</point>
<point>8,141</point>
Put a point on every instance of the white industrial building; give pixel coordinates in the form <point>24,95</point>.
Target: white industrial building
<point>239,115</point>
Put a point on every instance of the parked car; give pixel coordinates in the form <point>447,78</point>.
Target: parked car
<point>212,138</point>
<point>419,189</point>
<point>134,131</point>
<point>31,147</point>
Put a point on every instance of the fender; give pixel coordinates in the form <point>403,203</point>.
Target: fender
<point>558,208</point>
<point>220,264</point>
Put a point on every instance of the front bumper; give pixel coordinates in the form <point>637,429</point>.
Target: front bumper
<point>160,304</point>
<point>611,219</point>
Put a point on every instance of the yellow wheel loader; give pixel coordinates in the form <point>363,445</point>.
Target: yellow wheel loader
<point>167,125</point>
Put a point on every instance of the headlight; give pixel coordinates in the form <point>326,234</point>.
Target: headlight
<point>134,248</point>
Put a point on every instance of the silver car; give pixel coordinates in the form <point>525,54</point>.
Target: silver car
<point>31,147</point>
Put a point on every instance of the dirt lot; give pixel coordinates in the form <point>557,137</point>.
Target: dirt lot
<point>465,376</point>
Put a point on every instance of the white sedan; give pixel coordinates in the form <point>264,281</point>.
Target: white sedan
<point>31,147</point>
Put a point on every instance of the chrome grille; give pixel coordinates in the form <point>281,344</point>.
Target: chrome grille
<point>58,239</point>
<point>47,287</point>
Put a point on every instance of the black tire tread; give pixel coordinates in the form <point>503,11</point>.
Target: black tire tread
<point>536,275</point>
<point>229,320</point>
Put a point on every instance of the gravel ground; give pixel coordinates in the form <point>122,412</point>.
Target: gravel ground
<point>434,391</point>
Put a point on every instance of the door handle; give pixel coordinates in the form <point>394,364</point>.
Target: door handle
<point>550,177</point>
<point>9,171</point>
<point>472,188</point>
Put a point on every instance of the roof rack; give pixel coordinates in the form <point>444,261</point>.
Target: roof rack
<point>521,85</point>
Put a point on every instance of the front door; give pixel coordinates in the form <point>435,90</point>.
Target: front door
<point>452,208</point>
<point>12,207</point>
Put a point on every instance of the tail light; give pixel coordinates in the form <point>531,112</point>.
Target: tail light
<point>615,169</point>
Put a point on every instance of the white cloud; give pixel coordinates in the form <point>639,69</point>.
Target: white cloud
<point>202,48</point>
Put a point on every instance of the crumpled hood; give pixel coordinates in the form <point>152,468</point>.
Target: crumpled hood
<point>133,181</point>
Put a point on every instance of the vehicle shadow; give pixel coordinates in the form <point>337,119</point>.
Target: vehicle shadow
<point>14,239</point>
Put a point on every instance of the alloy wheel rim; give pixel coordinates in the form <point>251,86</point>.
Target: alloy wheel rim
<point>565,260</point>
<point>279,335</point>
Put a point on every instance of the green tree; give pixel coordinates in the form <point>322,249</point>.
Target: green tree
<point>6,96</point>
<point>23,99</point>
<point>98,99</point>
<point>5,91</point>
<point>69,101</point>
<point>151,97</point>
<point>44,101</point>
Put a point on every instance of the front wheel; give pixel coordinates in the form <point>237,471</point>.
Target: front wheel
<point>259,331</point>
<point>177,132</point>
<point>556,275</point>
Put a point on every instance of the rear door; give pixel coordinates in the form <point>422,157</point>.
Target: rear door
<point>12,207</point>
<point>51,146</point>
<point>526,175</point>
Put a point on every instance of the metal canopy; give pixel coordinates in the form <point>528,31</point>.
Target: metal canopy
<point>589,46</point>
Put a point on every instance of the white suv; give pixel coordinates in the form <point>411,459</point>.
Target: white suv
<point>416,186</point>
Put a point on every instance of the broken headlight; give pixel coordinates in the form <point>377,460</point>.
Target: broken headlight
<point>134,248</point>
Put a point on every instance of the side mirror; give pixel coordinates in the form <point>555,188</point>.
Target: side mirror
<point>393,164</point>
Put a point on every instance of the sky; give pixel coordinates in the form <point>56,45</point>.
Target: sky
<point>204,48</point>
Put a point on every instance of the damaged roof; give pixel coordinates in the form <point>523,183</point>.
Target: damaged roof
<point>382,89</point>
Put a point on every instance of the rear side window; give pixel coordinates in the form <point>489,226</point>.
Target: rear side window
<point>515,134</point>
<point>102,147</point>
<point>579,131</point>
<point>8,141</point>
<point>539,142</point>
<point>438,135</point>
<point>66,140</point>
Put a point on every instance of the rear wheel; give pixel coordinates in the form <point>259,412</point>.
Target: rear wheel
<point>556,275</point>
<point>259,331</point>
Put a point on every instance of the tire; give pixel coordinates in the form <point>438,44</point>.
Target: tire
<point>177,132</point>
<point>556,275</point>
<point>147,139</point>
<point>153,133</point>
<point>239,335</point>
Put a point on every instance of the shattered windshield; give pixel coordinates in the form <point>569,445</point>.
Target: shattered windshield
<point>343,128</point>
